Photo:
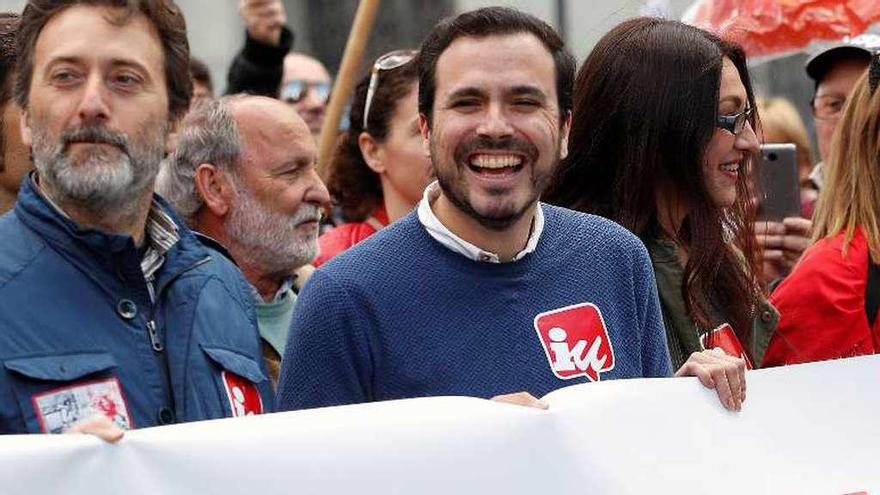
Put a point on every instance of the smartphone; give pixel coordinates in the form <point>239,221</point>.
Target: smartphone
<point>777,186</point>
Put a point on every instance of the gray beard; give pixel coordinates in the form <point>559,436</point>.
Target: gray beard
<point>109,181</point>
<point>269,239</point>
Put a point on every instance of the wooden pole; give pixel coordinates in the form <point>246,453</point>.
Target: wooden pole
<point>345,79</point>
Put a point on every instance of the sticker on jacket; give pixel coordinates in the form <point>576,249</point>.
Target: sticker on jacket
<point>575,341</point>
<point>244,398</point>
<point>60,408</point>
<point>725,338</point>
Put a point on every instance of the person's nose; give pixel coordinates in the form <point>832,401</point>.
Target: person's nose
<point>495,123</point>
<point>93,105</point>
<point>317,193</point>
<point>747,140</point>
<point>313,100</point>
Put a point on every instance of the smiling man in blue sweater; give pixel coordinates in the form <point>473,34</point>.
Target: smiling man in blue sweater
<point>483,290</point>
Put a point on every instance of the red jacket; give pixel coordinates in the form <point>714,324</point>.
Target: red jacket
<point>822,305</point>
<point>348,234</point>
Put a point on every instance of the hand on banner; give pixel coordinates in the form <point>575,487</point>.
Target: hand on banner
<point>716,369</point>
<point>782,244</point>
<point>521,399</point>
<point>100,426</point>
<point>263,19</point>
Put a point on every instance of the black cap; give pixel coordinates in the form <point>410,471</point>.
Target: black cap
<point>861,47</point>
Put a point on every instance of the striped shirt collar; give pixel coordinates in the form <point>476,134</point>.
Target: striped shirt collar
<point>447,238</point>
<point>161,234</point>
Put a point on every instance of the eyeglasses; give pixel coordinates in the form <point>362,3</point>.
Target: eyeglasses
<point>735,123</point>
<point>828,106</point>
<point>296,90</point>
<point>389,61</point>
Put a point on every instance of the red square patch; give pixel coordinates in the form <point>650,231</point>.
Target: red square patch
<point>575,341</point>
<point>244,398</point>
<point>725,338</point>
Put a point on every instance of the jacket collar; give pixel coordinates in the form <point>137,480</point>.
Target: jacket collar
<point>104,251</point>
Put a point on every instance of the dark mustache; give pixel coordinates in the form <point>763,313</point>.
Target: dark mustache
<point>503,144</point>
<point>94,134</point>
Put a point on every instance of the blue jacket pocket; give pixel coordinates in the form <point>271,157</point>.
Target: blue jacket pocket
<point>56,391</point>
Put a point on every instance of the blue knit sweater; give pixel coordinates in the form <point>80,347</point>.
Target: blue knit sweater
<point>400,315</point>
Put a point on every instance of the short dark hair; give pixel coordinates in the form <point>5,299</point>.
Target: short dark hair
<point>165,16</point>
<point>492,21</point>
<point>351,182</point>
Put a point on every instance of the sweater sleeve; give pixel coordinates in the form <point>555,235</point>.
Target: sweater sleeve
<point>257,69</point>
<point>327,360</point>
<point>655,352</point>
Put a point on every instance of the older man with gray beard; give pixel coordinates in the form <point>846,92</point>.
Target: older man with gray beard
<point>113,315</point>
<point>244,175</point>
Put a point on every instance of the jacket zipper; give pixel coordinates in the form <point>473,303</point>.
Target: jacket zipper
<point>156,340</point>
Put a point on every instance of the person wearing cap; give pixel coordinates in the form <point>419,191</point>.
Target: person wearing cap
<point>835,70</point>
<point>829,304</point>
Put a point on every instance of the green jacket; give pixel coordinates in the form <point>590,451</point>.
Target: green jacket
<point>682,333</point>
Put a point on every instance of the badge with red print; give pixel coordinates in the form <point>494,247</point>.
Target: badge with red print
<point>244,398</point>
<point>725,338</point>
<point>575,341</point>
<point>58,409</point>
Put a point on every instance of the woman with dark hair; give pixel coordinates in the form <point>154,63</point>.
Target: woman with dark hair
<point>662,142</point>
<point>379,169</point>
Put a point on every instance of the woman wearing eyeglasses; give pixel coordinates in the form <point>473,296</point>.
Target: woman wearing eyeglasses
<point>379,169</point>
<point>662,142</point>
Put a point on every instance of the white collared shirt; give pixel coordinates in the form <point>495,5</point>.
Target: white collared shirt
<point>456,244</point>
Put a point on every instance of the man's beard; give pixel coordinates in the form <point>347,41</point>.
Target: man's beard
<point>270,239</point>
<point>111,177</point>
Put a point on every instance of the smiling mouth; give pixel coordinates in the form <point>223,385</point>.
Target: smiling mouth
<point>730,168</point>
<point>495,164</point>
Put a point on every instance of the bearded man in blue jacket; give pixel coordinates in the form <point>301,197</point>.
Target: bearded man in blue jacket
<point>110,307</point>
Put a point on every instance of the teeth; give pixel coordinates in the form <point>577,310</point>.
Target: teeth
<point>496,161</point>
<point>730,167</point>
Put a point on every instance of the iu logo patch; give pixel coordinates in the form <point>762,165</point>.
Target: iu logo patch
<point>575,341</point>
<point>725,338</point>
<point>60,408</point>
<point>244,398</point>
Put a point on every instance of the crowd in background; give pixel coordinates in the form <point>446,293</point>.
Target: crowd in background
<point>494,220</point>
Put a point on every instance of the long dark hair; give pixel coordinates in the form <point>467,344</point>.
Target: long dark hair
<point>351,182</point>
<point>645,107</point>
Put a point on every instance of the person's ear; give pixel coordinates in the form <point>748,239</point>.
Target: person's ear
<point>214,187</point>
<point>171,137</point>
<point>425,129</point>
<point>373,153</point>
<point>563,136</point>
<point>27,137</point>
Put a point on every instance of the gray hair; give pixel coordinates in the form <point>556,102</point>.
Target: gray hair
<point>208,134</point>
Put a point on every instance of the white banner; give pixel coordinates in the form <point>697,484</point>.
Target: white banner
<point>810,429</point>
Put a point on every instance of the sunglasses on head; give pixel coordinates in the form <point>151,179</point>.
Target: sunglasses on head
<point>389,61</point>
<point>296,90</point>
